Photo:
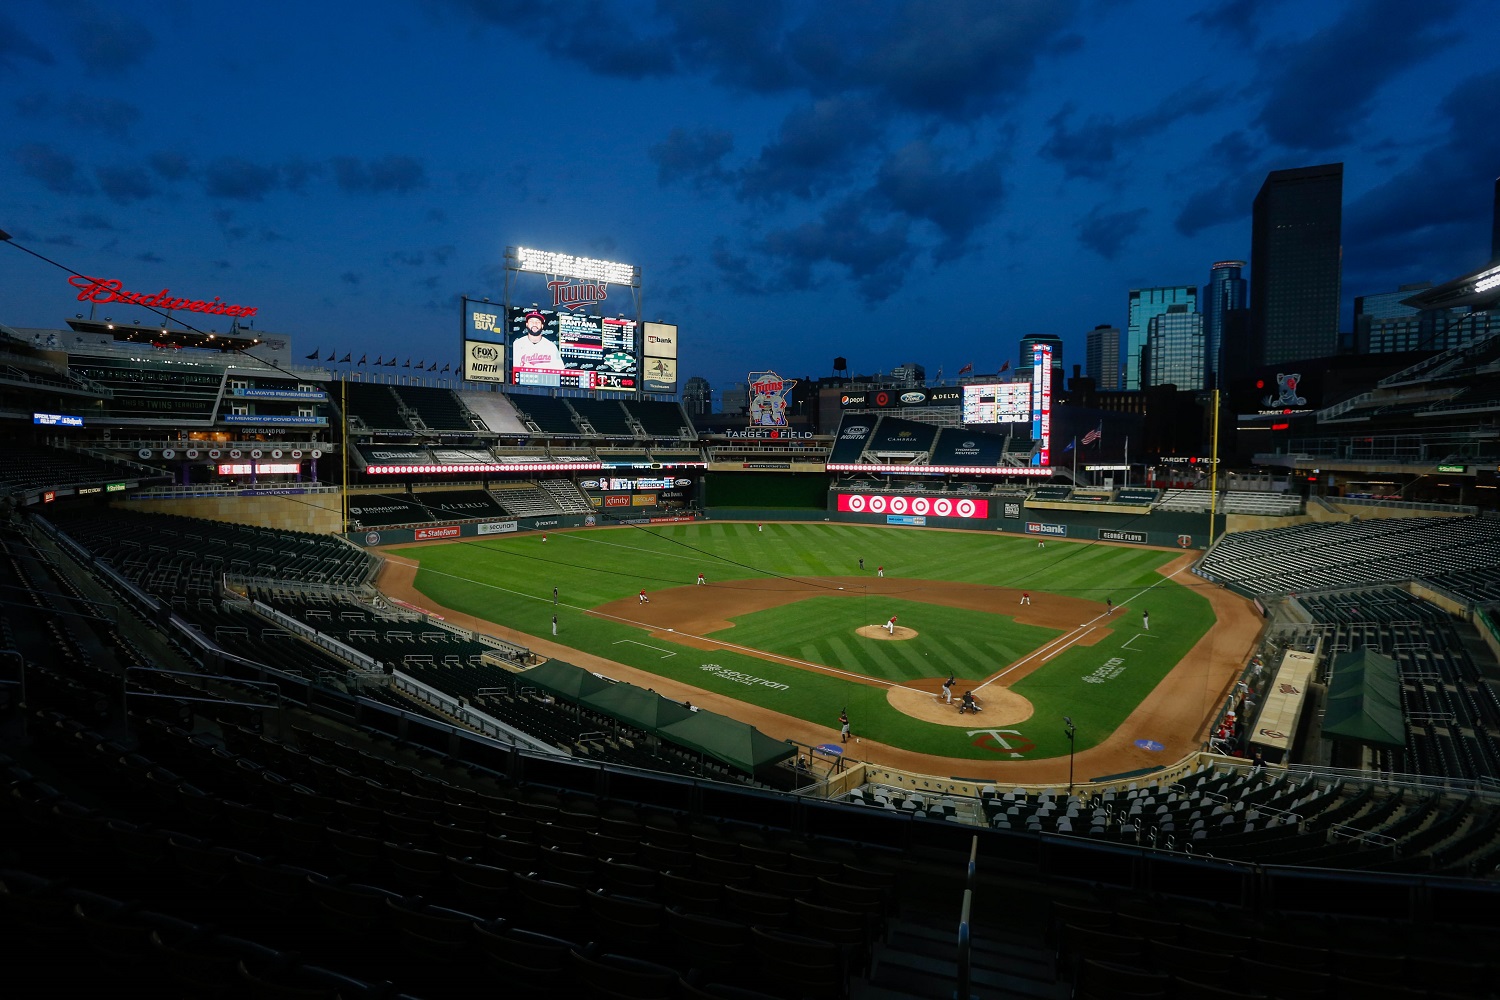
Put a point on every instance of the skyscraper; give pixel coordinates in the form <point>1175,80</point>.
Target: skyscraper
<point>1495,227</point>
<point>1295,258</point>
<point>1101,356</point>
<point>1175,354</point>
<point>1224,292</point>
<point>1144,304</point>
<point>697,396</point>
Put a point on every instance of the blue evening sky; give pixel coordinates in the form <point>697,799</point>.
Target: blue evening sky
<point>887,180</point>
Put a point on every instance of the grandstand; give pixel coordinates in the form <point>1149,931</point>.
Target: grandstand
<point>287,782</point>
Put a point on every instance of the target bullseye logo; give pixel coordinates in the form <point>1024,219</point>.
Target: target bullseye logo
<point>860,503</point>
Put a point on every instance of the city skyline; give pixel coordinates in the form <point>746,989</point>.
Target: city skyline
<point>917,183</point>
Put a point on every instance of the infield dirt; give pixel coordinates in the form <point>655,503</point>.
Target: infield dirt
<point>1175,716</point>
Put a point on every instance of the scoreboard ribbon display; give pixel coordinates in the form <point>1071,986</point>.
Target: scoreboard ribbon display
<point>879,503</point>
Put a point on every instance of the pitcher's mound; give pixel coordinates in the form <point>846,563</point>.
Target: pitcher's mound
<point>879,632</point>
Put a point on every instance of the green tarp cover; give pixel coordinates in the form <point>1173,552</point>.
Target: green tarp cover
<point>736,743</point>
<point>1364,700</point>
<point>563,679</point>
<point>636,706</point>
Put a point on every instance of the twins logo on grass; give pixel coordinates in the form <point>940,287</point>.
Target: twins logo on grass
<point>994,742</point>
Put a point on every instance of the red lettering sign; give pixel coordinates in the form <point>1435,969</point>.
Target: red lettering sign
<point>112,290</point>
<point>424,533</point>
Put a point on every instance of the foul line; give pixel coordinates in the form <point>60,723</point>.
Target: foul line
<point>648,646</point>
<point>1087,627</point>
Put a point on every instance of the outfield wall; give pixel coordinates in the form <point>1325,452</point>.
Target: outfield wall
<point>1163,528</point>
<point>506,526</point>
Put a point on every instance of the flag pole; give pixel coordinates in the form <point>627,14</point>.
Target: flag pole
<point>1075,459</point>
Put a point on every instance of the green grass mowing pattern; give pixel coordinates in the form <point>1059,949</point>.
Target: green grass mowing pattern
<point>950,640</point>
<point>510,580</point>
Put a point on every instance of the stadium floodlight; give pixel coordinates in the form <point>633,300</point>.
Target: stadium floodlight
<point>586,268</point>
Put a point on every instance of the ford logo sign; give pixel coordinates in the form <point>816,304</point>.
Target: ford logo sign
<point>684,482</point>
<point>913,397</point>
<point>589,484</point>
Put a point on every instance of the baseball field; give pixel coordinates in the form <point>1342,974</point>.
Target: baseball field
<point>787,630</point>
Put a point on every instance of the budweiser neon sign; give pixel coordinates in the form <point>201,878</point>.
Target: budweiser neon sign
<point>112,290</point>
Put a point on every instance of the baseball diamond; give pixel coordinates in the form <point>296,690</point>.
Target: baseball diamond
<point>785,605</point>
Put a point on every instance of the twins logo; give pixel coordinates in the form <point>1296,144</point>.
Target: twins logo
<point>994,742</point>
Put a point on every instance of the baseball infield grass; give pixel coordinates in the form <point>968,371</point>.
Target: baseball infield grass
<point>509,580</point>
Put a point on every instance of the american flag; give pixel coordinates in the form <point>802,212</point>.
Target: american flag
<point>1093,435</point>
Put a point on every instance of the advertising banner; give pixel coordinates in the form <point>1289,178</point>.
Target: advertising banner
<point>879,503</point>
<point>496,527</point>
<point>484,361</point>
<point>451,531</point>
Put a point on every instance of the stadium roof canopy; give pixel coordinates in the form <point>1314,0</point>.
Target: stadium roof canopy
<point>1478,290</point>
<point>1364,700</point>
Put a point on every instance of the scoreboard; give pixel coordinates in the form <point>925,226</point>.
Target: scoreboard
<point>997,403</point>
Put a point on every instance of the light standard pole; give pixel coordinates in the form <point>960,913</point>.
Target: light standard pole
<point>1069,734</point>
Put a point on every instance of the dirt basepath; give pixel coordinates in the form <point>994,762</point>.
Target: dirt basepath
<point>1173,717</point>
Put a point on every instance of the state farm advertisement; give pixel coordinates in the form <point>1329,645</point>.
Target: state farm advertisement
<point>425,533</point>
<point>879,503</point>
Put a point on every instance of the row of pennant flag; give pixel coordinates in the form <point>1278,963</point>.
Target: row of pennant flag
<point>380,362</point>
<point>966,369</point>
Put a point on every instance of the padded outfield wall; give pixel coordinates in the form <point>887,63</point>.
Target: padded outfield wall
<point>1169,529</point>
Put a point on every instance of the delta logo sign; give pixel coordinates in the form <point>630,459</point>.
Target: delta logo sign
<point>876,503</point>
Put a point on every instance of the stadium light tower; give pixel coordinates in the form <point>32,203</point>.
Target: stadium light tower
<point>1069,734</point>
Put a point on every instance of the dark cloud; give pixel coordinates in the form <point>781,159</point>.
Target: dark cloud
<point>1439,208</point>
<point>236,179</point>
<point>916,182</point>
<point>391,174</point>
<point>554,25</point>
<point>1092,149</point>
<point>93,221</point>
<point>233,231</point>
<point>124,184</point>
<point>169,165</point>
<point>441,255</point>
<point>406,258</point>
<point>815,149</point>
<point>110,42</point>
<point>1106,233</point>
<point>103,115</point>
<point>350,278</point>
<point>16,45</point>
<point>737,270</point>
<point>1238,20</point>
<point>56,170</point>
<point>693,156</point>
<point>149,257</point>
<point>1234,159</point>
<point>959,57</point>
<point>1319,90</point>
<point>296,172</point>
<point>740,45</point>
<point>844,241</point>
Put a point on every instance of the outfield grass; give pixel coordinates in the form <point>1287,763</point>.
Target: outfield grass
<point>821,630</point>
<point>509,580</point>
